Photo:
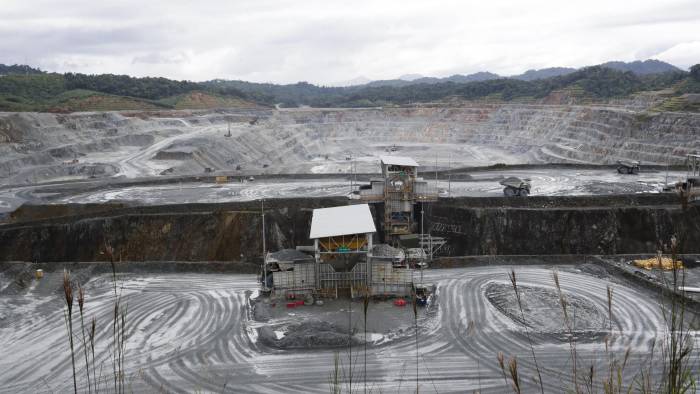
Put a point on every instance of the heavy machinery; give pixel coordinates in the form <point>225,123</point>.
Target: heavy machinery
<point>515,186</point>
<point>627,166</point>
<point>690,188</point>
<point>424,293</point>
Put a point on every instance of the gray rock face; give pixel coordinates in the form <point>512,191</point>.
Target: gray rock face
<point>472,226</point>
<point>542,226</point>
<point>319,140</point>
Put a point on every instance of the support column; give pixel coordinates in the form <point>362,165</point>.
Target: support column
<point>317,258</point>
<point>368,265</point>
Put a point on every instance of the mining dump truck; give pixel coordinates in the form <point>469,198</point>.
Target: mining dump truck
<point>515,186</point>
<point>627,167</point>
<point>690,188</point>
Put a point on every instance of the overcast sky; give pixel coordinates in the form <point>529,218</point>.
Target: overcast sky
<point>327,42</point>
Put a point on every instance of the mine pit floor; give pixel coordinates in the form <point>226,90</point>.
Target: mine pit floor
<point>197,331</point>
<point>546,181</point>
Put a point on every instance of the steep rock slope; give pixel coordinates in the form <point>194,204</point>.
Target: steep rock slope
<point>231,231</point>
<point>37,146</point>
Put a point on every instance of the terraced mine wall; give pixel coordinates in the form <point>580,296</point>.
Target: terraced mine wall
<point>472,226</point>
<point>35,147</point>
<point>532,133</point>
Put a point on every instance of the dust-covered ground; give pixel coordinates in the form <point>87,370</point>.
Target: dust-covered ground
<point>199,332</point>
<point>326,325</point>
<point>546,181</point>
<point>107,156</point>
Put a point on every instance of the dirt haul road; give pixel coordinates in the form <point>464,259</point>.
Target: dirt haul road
<point>194,332</point>
<point>545,182</point>
<point>40,147</point>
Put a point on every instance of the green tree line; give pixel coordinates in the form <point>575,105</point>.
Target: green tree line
<point>37,87</point>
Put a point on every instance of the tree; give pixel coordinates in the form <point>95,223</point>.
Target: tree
<point>695,72</point>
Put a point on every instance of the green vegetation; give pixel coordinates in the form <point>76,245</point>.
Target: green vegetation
<point>18,69</point>
<point>594,82</point>
<point>79,92</point>
<point>202,100</point>
<point>124,85</point>
<point>695,72</point>
<point>692,84</point>
<point>27,89</point>
<point>683,95</point>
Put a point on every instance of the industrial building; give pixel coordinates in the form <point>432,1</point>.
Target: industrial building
<point>291,270</point>
<point>342,238</point>
<point>399,189</point>
<point>345,261</point>
<point>342,252</point>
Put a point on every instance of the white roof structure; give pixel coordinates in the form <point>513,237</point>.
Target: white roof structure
<point>344,220</point>
<point>398,161</point>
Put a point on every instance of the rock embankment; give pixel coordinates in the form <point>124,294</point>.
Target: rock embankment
<point>231,231</point>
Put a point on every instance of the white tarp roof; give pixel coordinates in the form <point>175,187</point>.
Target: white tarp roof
<point>345,220</point>
<point>398,161</point>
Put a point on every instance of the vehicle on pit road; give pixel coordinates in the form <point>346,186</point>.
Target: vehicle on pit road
<point>515,186</point>
<point>627,166</point>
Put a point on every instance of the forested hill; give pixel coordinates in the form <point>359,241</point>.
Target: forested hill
<point>18,69</point>
<point>593,83</point>
<point>79,92</point>
<point>23,88</point>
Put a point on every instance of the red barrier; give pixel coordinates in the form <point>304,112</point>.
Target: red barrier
<point>400,302</point>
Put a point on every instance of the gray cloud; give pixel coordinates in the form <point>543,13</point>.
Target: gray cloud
<point>160,58</point>
<point>324,41</point>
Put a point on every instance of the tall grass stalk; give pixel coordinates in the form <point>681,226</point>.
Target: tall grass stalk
<point>570,328</point>
<point>615,371</point>
<point>365,308</point>
<point>415,326</point>
<point>610,300</point>
<point>91,335</point>
<point>501,363</point>
<point>68,297</point>
<point>88,334</point>
<point>350,338</point>
<point>678,343</point>
<point>514,376</point>
<point>118,327</point>
<point>81,304</point>
<point>645,383</point>
<point>514,283</point>
<point>334,378</point>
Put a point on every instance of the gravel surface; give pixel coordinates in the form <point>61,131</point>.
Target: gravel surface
<point>545,182</point>
<point>195,332</point>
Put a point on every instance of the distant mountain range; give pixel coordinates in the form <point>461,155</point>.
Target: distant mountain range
<point>416,79</point>
<point>531,75</point>
<point>23,88</point>
<point>637,67</point>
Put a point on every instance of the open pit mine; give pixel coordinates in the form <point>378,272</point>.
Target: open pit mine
<point>423,248</point>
